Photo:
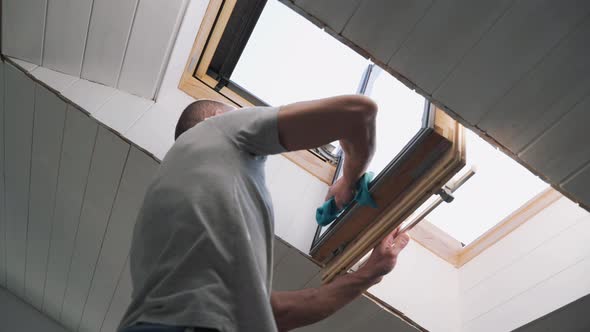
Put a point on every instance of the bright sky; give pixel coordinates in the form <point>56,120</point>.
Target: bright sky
<point>289,59</point>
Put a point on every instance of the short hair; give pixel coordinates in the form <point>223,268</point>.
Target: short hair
<point>196,112</point>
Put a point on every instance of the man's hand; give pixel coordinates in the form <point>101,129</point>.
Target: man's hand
<point>384,257</point>
<point>298,308</point>
<point>342,191</point>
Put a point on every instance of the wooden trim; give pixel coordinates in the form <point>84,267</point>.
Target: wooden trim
<point>437,241</point>
<point>222,17</point>
<point>312,164</point>
<point>509,224</point>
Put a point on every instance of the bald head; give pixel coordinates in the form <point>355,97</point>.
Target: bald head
<point>197,112</point>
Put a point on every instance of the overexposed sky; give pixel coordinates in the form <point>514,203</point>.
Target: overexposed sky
<point>289,59</point>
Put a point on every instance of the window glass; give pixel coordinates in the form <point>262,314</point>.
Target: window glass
<point>398,120</point>
<point>499,187</point>
<point>289,59</point>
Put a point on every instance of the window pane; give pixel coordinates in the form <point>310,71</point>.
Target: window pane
<point>289,59</point>
<point>499,187</point>
<point>399,118</point>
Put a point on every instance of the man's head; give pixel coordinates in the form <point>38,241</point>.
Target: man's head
<point>199,111</point>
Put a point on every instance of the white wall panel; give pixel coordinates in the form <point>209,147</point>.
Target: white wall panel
<point>50,113</point>
<point>23,28</point>
<point>508,51</point>
<point>139,172</point>
<point>380,27</point>
<point>512,247</point>
<point>54,79</point>
<point>89,96</point>
<point>560,151</point>
<point>2,214</point>
<point>119,302</point>
<point>558,253</point>
<point>65,35</point>
<point>333,13</point>
<point>110,26</point>
<point>550,90</point>
<point>145,62</point>
<point>18,126</point>
<point>428,55</point>
<point>108,159</point>
<point>122,110</point>
<point>423,287</point>
<point>302,228</point>
<point>564,287</point>
<point>78,143</point>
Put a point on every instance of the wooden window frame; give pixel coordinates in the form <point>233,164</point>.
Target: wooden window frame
<point>196,82</point>
<point>421,169</point>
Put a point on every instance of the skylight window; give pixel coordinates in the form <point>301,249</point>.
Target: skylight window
<point>399,118</point>
<point>289,59</point>
<point>499,187</point>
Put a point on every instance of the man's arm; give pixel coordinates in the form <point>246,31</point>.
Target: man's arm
<point>349,119</point>
<point>299,308</point>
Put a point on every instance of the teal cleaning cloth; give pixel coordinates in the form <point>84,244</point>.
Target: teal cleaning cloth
<point>328,212</point>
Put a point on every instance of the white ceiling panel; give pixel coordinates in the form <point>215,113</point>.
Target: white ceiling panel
<point>50,113</point>
<point>78,142</point>
<point>88,95</point>
<point>25,19</point>
<point>355,316</point>
<point>544,94</point>
<point>388,26</point>
<point>110,26</point>
<point>145,62</point>
<point>139,172</point>
<point>294,271</point>
<point>563,148</point>
<point>442,37</point>
<point>579,183</point>
<point>122,110</point>
<point>2,214</point>
<point>333,13</point>
<point>65,35</point>
<point>384,321</point>
<point>108,159</point>
<point>516,43</point>
<point>18,126</point>
<point>56,80</point>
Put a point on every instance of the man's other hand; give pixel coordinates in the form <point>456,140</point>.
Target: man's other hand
<point>384,257</point>
<point>342,191</point>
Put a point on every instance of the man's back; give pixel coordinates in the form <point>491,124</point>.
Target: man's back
<point>202,245</point>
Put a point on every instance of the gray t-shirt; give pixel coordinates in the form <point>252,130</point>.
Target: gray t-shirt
<point>201,252</point>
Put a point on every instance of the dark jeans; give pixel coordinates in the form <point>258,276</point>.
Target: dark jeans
<point>149,327</point>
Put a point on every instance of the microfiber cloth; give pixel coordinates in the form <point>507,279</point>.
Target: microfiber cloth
<point>328,212</point>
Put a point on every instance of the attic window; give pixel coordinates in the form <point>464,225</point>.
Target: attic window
<point>499,187</point>
<point>289,59</point>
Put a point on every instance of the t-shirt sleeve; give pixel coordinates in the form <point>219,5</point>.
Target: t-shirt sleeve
<point>253,130</point>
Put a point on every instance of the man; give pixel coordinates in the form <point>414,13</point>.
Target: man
<point>201,257</point>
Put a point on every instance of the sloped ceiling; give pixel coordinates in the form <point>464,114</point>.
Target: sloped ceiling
<point>517,72</point>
